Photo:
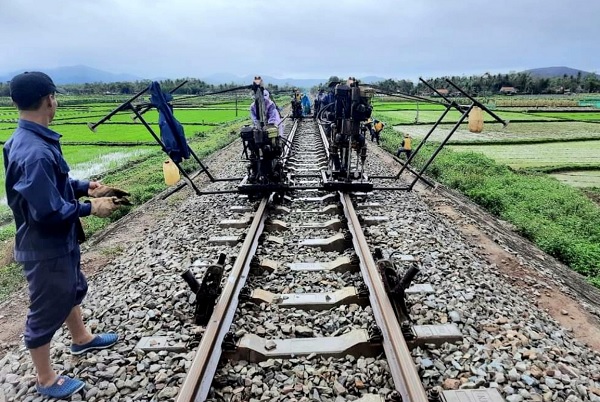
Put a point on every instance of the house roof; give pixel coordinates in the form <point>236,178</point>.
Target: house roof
<point>508,89</point>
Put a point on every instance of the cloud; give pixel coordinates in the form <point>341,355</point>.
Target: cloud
<point>311,38</point>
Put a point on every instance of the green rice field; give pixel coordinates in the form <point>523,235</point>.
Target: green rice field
<point>585,116</point>
<point>431,116</point>
<point>496,133</point>
<point>575,153</point>
<point>579,178</point>
<point>72,124</point>
<point>525,173</point>
<point>107,133</point>
<point>562,139</point>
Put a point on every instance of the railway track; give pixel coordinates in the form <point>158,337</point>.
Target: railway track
<point>509,342</point>
<point>299,317</point>
<point>339,273</point>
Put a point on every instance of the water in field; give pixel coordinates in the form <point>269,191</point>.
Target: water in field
<point>103,163</point>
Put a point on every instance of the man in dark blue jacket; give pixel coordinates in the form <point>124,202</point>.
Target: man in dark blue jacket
<point>44,201</point>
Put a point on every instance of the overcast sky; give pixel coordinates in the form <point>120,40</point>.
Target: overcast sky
<point>300,39</point>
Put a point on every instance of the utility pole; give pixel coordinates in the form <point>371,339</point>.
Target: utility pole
<point>417,117</point>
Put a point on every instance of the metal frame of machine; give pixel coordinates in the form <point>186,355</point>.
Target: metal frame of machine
<point>342,127</point>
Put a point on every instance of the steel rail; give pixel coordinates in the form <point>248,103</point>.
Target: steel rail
<point>200,375</point>
<point>199,378</point>
<point>287,149</point>
<point>405,375</point>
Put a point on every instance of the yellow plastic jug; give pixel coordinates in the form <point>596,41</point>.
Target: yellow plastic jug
<point>170,172</point>
<point>476,120</point>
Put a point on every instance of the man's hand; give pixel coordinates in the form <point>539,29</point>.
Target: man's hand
<point>272,131</point>
<point>104,206</point>
<point>100,190</point>
<point>94,184</point>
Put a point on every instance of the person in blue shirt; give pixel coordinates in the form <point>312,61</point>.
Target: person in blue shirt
<point>318,98</point>
<point>44,201</point>
<point>305,105</point>
<point>329,97</point>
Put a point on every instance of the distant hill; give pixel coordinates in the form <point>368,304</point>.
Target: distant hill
<point>85,74</point>
<point>551,72</point>
<point>77,75</point>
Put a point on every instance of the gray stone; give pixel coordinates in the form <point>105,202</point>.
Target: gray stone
<point>426,363</point>
<point>168,392</point>
<point>12,379</point>
<point>302,330</point>
<point>91,393</point>
<point>521,366</point>
<point>111,390</point>
<point>154,368</point>
<point>550,382</point>
<point>528,380</point>
<point>455,316</point>
<point>339,388</point>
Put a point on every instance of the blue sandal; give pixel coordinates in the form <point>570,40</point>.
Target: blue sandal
<point>101,341</point>
<point>63,387</point>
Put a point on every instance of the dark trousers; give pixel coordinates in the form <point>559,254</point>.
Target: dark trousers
<point>408,152</point>
<point>375,136</point>
<point>55,287</point>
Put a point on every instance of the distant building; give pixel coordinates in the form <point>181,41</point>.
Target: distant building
<point>442,91</point>
<point>508,90</point>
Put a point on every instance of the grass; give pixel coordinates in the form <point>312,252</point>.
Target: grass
<point>593,193</point>
<point>85,161</point>
<point>538,146</point>
<point>11,278</point>
<point>533,155</point>
<point>559,218</point>
<point>112,251</point>
<point>183,115</point>
<point>109,133</point>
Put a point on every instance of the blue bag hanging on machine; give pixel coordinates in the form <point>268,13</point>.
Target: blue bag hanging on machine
<point>171,131</point>
<point>305,105</point>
